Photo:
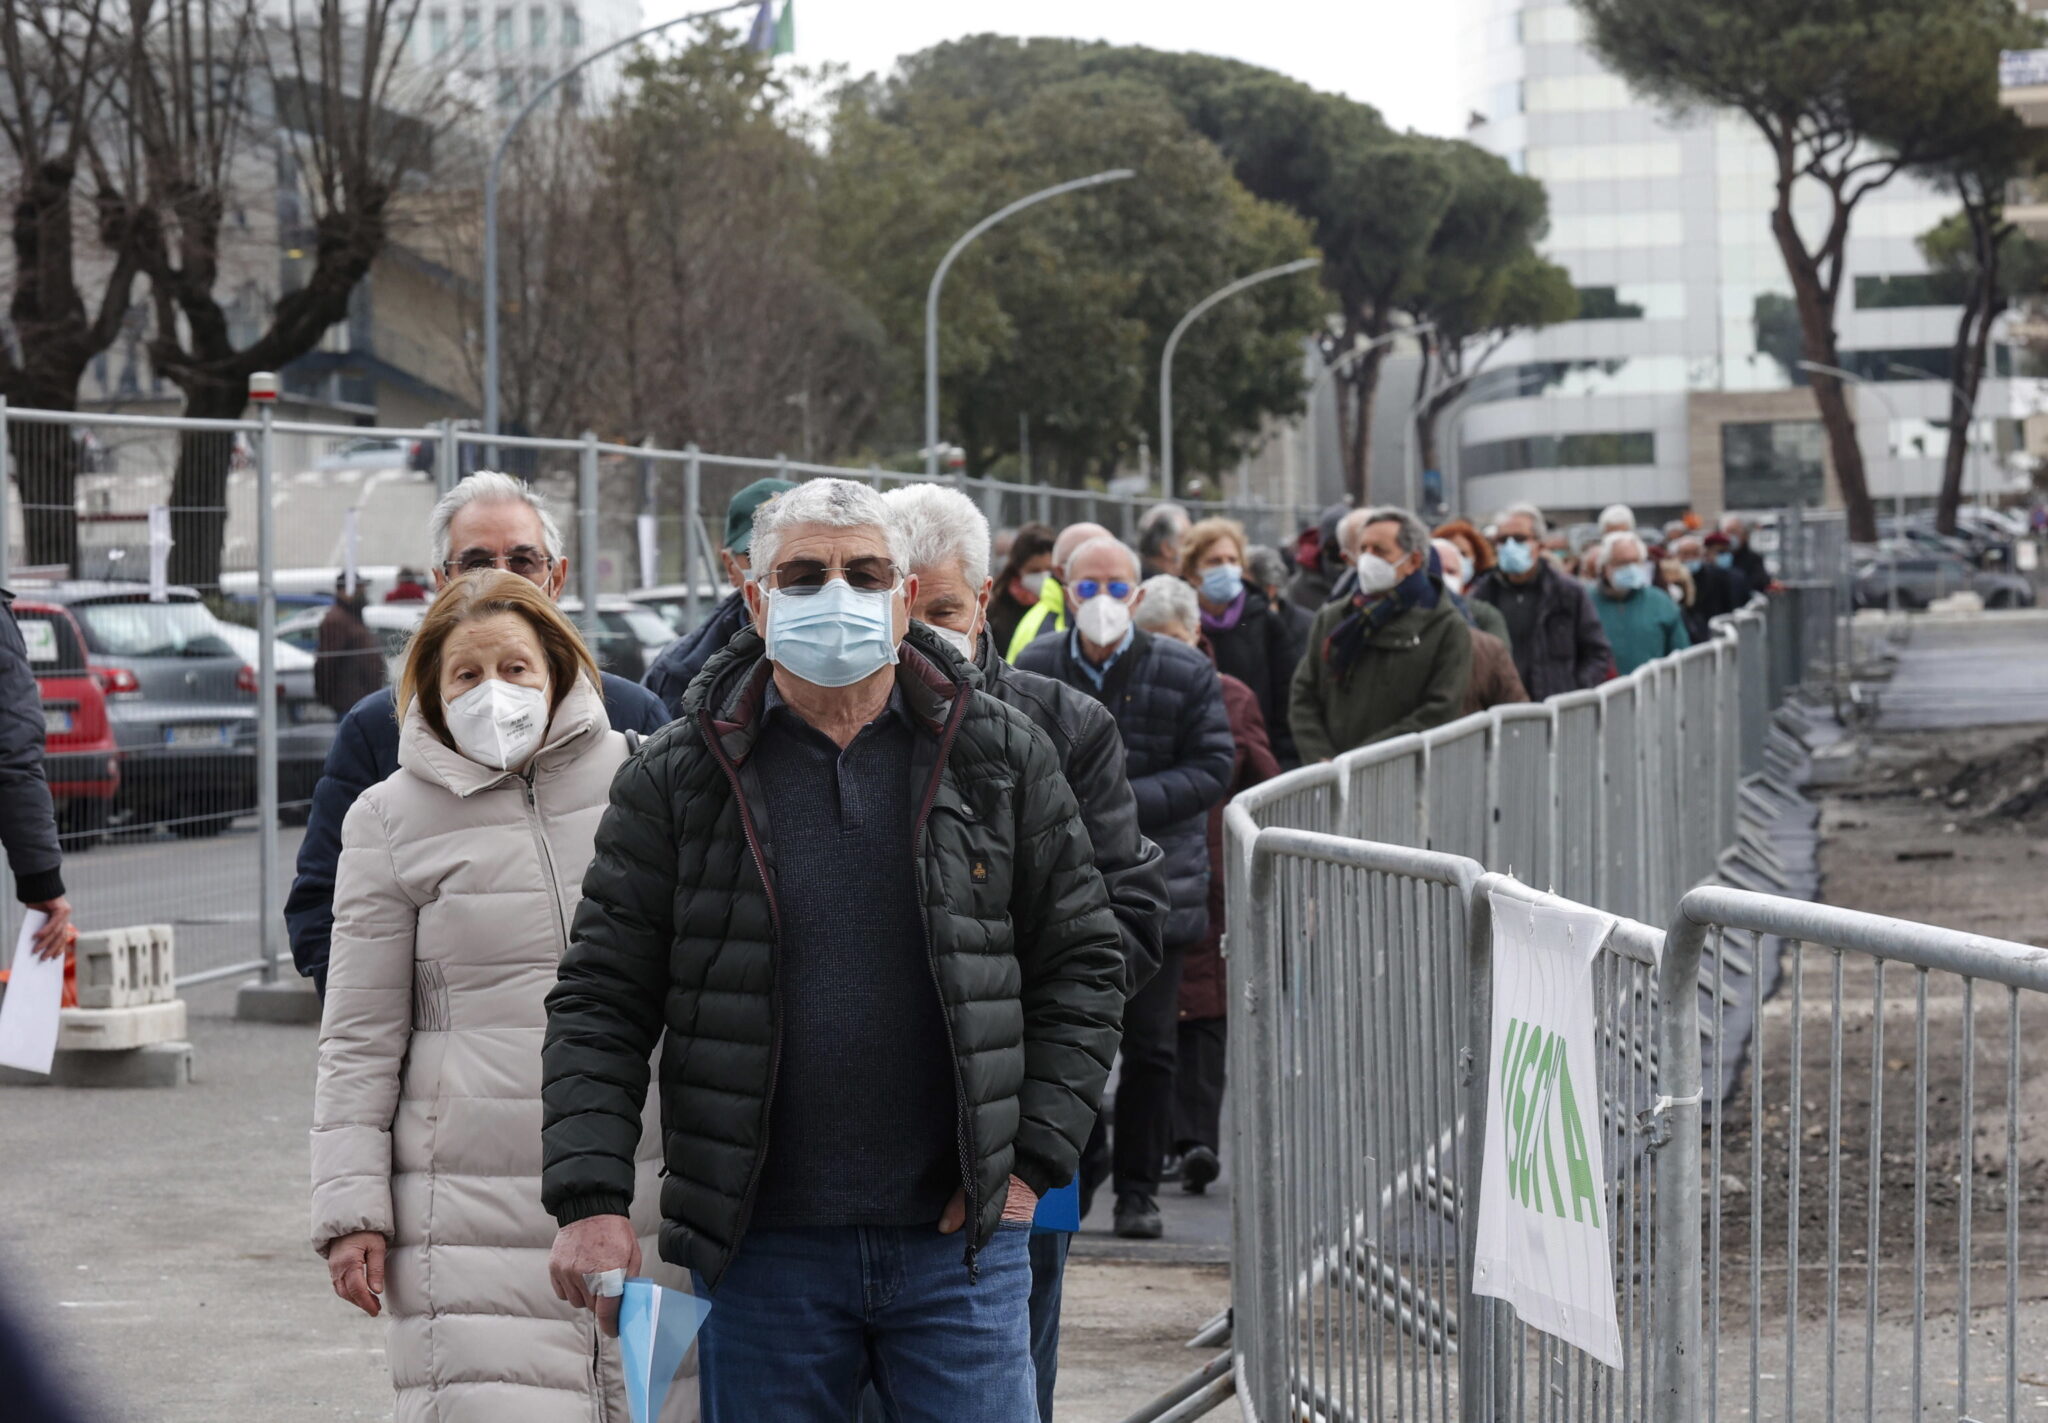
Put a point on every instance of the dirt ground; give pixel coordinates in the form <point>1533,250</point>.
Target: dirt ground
<point>1946,829</point>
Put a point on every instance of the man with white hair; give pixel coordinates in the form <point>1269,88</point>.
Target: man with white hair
<point>1494,681</point>
<point>489,520</point>
<point>1552,628</point>
<point>1642,623</point>
<point>1178,754</point>
<point>1160,531</point>
<point>852,899</point>
<point>947,546</point>
<point>1050,613</point>
<point>1391,658</point>
<point>1617,518</point>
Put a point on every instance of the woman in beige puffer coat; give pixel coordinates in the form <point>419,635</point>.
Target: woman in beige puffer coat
<point>457,883</point>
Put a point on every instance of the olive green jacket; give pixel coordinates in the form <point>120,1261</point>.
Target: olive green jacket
<point>1410,677</point>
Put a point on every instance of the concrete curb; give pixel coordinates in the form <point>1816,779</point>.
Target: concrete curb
<point>157,1065</point>
<point>290,1001</point>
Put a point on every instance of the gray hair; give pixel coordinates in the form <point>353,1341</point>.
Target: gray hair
<point>833,503</point>
<point>1618,537</point>
<point>488,486</point>
<point>1162,525</point>
<point>1414,535</point>
<point>1529,511</point>
<point>1137,568</point>
<point>940,525</point>
<point>1619,515</point>
<point>1265,565</point>
<point>1165,599</point>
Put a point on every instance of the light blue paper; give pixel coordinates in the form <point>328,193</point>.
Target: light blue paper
<point>656,1326</point>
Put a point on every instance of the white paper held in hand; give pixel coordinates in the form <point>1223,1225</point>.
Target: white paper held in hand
<point>35,992</point>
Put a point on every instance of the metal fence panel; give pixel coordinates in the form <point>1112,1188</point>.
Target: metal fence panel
<point>1524,815</point>
<point>1621,879</point>
<point>1580,824</point>
<point>1383,790</point>
<point>1456,793</point>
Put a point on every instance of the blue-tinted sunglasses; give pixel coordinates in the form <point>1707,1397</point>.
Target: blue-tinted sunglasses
<point>1088,588</point>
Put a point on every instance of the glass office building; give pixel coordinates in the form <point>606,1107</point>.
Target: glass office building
<point>1678,386</point>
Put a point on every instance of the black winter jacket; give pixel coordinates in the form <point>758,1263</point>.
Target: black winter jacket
<point>1091,756</point>
<point>677,931</point>
<point>1177,752</point>
<point>28,820</point>
<point>1262,652</point>
<point>679,663</point>
<point>1569,651</point>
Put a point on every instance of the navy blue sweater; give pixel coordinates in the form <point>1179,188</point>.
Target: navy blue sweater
<point>364,752</point>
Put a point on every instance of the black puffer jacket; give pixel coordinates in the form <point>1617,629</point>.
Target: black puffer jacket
<point>677,931</point>
<point>679,663</point>
<point>1568,650</point>
<point>28,822</point>
<point>1091,756</point>
<point>1262,652</point>
<point>1177,751</point>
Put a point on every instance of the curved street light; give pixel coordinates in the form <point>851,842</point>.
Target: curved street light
<point>1166,357</point>
<point>931,300</point>
<point>491,179</point>
<point>1327,376</point>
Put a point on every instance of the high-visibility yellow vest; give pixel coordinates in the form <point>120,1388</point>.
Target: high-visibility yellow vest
<point>1052,603</point>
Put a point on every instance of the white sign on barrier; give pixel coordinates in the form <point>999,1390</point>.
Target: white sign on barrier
<point>1543,1230</point>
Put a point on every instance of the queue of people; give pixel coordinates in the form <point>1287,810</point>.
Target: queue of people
<point>879,875</point>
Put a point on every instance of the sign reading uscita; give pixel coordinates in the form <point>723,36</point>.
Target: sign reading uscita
<point>1543,1243</point>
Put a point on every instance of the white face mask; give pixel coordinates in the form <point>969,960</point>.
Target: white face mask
<point>960,642</point>
<point>1103,620</point>
<point>1034,583</point>
<point>1454,581</point>
<point>498,724</point>
<point>1375,574</point>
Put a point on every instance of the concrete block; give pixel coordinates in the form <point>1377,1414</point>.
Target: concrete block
<point>156,1065</point>
<point>162,960</point>
<point>117,1029</point>
<point>289,1000</point>
<point>111,972</point>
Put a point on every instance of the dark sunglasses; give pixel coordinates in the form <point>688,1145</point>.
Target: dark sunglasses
<point>529,563</point>
<point>872,574</point>
<point>1088,588</point>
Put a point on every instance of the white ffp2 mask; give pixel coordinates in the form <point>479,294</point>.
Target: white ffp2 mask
<point>1103,620</point>
<point>498,724</point>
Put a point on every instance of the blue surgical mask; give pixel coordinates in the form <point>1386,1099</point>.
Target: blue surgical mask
<point>1516,557</point>
<point>1724,560</point>
<point>1223,583</point>
<point>1692,565</point>
<point>1631,577</point>
<point>833,637</point>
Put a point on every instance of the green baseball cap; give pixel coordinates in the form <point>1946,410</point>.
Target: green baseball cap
<point>739,515</point>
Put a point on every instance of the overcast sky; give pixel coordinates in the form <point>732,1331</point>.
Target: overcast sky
<point>1398,55</point>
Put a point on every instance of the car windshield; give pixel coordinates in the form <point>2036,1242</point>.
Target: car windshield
<point>140,629</point>
<point>643,625</point>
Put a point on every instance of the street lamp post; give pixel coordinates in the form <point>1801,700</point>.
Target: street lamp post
<point>1327,376</point>
<point>1898,475</point>
<point>931,300</point>
<point>491,180</point>
<point>1286,269</point>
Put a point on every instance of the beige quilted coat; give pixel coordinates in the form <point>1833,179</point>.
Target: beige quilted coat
<point>452,903</point>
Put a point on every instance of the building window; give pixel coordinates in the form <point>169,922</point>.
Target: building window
<point>1578,93</point>
<point>1911,289</point>
<point>508,89</point>
<point>437,30</point>
<point>537,27</point>
<point>1771,464</point>
<point>1601,304</point>
<point>1585,451</point>
<point>572,93</point>
<point>1595,162</point>
<point>501,32</point>
<point>1583,231</point>
<point>472,29</point>
<point>1504,101</point>
<point>572,28</point>
<point>1632,301</point>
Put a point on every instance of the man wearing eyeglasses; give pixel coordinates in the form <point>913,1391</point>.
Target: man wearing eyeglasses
<point>1179,756</point>
<point>489,520</point>
<point>856,894</point>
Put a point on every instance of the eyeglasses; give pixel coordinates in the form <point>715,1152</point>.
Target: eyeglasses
<point>1517,539</point>
<point>529,563</point>
<point>801,576</point>
<point>1088,588</point>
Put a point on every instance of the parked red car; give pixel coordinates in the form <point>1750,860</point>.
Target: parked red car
<point>79,753</point>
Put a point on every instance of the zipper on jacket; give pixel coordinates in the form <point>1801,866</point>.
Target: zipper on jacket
<point>739,799</point>
<point>963,1130</point>
<point>547,860</point>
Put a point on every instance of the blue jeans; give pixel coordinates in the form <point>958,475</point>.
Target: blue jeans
<point>804,1317</point>
<point>1048,1271</point>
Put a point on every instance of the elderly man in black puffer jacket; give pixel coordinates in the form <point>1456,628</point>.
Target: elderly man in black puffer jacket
<point>1179,756</point>
<point>858,897</point>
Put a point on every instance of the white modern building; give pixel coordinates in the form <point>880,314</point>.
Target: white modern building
<point>1677,387</point>
<point>501,52</point>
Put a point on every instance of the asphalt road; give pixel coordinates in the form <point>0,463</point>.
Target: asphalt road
<point>205,889</point>
<point>1987,670</point>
